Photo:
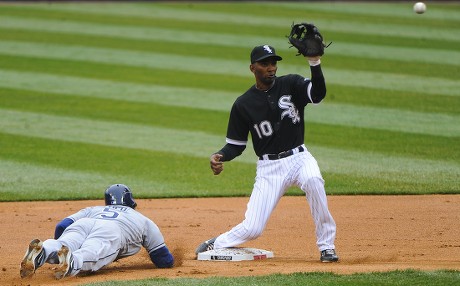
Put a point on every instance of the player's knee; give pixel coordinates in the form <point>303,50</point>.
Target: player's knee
<point>316,181</point>
<point>313,184</point>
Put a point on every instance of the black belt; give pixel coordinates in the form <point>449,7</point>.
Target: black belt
<point>282,154</point>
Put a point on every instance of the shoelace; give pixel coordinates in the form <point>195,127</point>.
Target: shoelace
<point>329,252</point>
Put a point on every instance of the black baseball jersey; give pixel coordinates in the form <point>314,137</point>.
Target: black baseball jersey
<point>275,118</point>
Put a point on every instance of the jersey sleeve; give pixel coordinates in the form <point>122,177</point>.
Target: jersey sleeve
<point>61,226</point>
<point>299,87</point>
<point>152,236</point>
<point>153,241</point>
<point>86,212</point>
<point>237,130</point>
<point>66,222</point>
<point>309,90</point>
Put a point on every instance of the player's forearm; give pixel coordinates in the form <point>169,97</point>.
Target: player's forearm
<point>230,152</point>
<point>318,89</point>
<point>162,258</point>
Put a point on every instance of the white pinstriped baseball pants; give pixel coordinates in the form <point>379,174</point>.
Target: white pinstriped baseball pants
<point>273,179</point>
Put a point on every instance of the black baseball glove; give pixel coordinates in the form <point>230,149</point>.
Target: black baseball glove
<point>307,39</point>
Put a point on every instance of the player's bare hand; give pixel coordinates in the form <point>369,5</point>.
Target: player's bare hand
<point>216,165</point>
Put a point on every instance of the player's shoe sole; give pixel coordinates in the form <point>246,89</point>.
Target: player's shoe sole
<point>34,258</point>
<point>205,246</point>
<point>65,263</point>
<point>329,255</point>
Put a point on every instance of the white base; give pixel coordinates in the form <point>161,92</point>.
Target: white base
<point>235,254</point>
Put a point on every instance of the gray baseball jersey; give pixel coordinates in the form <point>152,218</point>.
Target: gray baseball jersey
<point>102,234</point>
<point>136,230</point>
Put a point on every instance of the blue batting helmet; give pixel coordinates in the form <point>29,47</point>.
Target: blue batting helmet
<point>119,194</point>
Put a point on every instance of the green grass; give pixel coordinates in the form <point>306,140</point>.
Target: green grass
<point>139,93</point>
<point>407,277</point>
<point>152,85</point>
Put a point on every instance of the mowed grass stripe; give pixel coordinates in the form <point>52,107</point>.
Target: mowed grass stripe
<point>212,89</point>
<point>405,60</point>
<point>246,14</point>
<point>109,133</point>
<point>444,13</point>
<point>90,170</point>
<point>114,89</point>
<point>157,171</point>
<point>233,11</point>
<point>197,67</point>
<point>350,184</point>
<point>116,110</point>
<point>411,101</point>
<point>273,34</point>
<point>215,123</point>
<point>16,41</point>
<point>342,46</point>
<point>152,60</point>
<point>386,119</point>
<point>216,39</point>
<point>389,168</point>
<point>136,32</point>
<point>379,118</point>
<point>28,180</point>
<point>384,142</point>
<point>182,62</point>
<point>140,137</point>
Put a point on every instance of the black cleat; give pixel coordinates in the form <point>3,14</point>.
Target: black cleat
<point>329,255</point>
<point>205,246</point>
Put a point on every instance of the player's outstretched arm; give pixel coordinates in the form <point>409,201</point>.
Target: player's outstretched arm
<point>308,41</point>
<point>318,89</point>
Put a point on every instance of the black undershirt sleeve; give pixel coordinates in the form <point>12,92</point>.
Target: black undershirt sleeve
<point>231,151</point>
<point>318,89</point>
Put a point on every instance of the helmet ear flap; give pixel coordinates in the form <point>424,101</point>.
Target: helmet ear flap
<point>128,200</point>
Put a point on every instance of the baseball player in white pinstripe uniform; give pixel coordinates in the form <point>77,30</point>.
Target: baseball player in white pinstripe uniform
<point>272,110</point>
<point>96,236</point>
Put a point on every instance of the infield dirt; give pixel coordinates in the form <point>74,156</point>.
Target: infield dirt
<point>374,233</point>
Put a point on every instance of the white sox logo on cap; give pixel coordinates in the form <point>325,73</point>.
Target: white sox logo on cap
<point>261,53</point>
<point>267,48</point>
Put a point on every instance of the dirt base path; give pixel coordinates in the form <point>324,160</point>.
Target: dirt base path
<point>375,233</point>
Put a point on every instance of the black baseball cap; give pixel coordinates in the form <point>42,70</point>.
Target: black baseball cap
<point>262,52</point>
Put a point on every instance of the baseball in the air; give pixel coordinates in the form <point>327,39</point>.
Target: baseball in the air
<point>419,7</point>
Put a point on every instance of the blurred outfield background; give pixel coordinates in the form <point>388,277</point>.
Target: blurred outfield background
<point>139,93</point>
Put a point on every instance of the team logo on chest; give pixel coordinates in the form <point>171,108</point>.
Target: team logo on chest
<point>288,108</point>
